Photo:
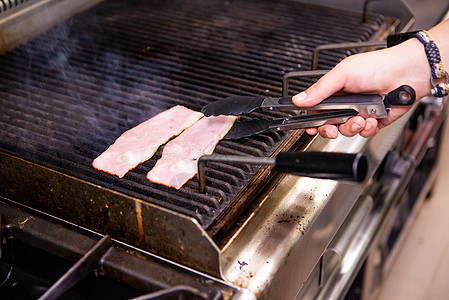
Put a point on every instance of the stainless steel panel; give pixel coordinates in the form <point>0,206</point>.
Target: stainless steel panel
<point>282,242</point>
<point>29,19</point>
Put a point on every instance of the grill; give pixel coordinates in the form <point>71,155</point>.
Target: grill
<point>71,93</point>
<point>68,94</point>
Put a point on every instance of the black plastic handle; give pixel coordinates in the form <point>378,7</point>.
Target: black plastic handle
<point>403,95</point>
<point>327,165</point>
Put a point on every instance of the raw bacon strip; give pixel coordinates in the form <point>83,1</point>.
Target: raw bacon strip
<point>179,158</point>
<point>141,142</point>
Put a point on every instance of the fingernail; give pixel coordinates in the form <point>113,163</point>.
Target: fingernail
<point>356,127</point>
<point>368,126</point>
<point>300,97</point>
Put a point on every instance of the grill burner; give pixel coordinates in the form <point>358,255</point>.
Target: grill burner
<point>67,95</point>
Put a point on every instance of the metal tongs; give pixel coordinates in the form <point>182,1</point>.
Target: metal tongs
<point>337,109</point>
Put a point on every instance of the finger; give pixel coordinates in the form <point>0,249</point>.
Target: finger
<point>326,86</point>
<point>370,129</point>
<point>328,131</point>
<point>312,131</point>
<point>394,114</point>
<point>352,127</point>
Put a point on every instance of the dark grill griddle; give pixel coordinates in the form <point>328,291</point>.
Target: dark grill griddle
<point>67,95</point>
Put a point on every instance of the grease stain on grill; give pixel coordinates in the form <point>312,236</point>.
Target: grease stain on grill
<point>139,221</point>
<point>242,264</point>
<point>68,94</point>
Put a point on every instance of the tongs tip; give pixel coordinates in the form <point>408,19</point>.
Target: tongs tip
<point>208,112</point>
<point>233,106</point>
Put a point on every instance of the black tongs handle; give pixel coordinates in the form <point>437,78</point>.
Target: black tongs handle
<point>403,95</point>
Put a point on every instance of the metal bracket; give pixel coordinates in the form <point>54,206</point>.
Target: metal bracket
<point>359,45</point>
<point>179,292</point>
<point>88,263</point>
<point>365,10</point>
<point>299,74</point>
<point>344,46</point>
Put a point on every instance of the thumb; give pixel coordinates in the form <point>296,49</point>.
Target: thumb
<point>326,86</point>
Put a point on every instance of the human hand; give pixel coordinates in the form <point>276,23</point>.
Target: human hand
<point>377,72</point>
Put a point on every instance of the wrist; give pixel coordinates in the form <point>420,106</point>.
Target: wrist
<point>412,67</point>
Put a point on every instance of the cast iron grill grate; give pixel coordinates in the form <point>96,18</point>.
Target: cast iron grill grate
<point>67,95</point>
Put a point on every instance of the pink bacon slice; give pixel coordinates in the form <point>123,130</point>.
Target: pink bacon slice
<point>178,163</point>
<point>141,142</point>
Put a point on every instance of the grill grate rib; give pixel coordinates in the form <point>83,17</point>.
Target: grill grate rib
<point>67,95</point>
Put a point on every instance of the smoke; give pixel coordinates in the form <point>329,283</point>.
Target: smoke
<point>98,88</point>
